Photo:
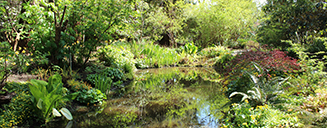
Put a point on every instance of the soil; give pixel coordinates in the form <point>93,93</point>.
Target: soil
<point>21,78</point>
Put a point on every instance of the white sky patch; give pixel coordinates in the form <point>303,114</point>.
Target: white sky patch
<point>260,2</point>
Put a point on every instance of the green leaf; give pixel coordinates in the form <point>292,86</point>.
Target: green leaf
<point>54,81</point>
<point>39,104</point>
<point>66,113</point>
<point>71,96</point>
<point>49,103</point>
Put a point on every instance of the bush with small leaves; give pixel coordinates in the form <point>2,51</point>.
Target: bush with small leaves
<point>90,97</point>
<point>117,58</point>
<point>19,112</point>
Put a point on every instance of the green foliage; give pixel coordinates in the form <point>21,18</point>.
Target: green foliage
<point>87,95</point>
<point>311,83</point>
<point>96,68</point>
<point>68,74</point>
<point>114,74</point>
<point>159,18</point>
<point>103,83</point>
<point>19,112</point>
<point>272,36</point>
<point>48,95</point>
<point>189,48</point>
<point>313,108</point>
<point>75,28</point>
<point>316,103</point>
<point>12,62</point>
<point>91,96</point>
<point>265,88</point>
<point>318,45</point>
<point>292,20</point>
<point>13,27</point>
<point>208,24</point>
<point>5,66</point>
<point>152,55</point>
<point>215,51</point>
<point>217,56</point>
<point>313,69</point>
<point>77,86</point>
<point>117,58</point>
<point>245,116</point>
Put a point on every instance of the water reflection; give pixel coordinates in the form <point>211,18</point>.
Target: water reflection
<point>165,97</point>
<point>201,84</point>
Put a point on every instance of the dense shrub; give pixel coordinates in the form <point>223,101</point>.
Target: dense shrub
<point>148,54</point>
<point>20,111</point>
<point>316,103</point>
<point>90,97</point>
<point>113,73</point>
<point>118,58</point>
<point>73,28</point>
<point>243,115</point>
<point>208,25</point>
<point>211,52</point>
<point>217,56</point>
<point>87,95</point>
<point>274,63</point>
<point>292,20</point>
<point>77,86</point>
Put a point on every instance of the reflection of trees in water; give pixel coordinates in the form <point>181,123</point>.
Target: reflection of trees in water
<point>201,83</point>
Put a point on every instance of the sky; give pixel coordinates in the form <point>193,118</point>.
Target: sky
<point>260,1</point>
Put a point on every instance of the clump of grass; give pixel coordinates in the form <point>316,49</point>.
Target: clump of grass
<point>148,54</point>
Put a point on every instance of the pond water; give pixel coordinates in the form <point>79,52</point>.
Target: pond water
<point>164,97</point>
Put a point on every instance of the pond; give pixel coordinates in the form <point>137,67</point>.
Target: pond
<point>164,97</point>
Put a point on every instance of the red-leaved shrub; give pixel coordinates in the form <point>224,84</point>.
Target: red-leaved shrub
<point>275,62</point>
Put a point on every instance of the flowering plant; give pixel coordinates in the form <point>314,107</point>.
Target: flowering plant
<point>243,115</point>
<point>13,60</point>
